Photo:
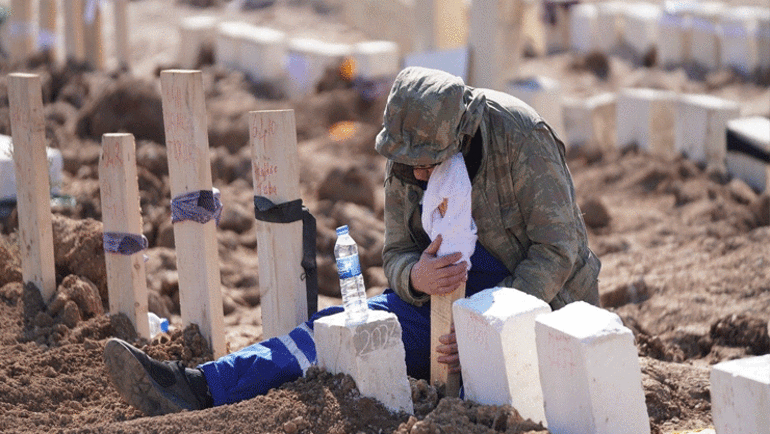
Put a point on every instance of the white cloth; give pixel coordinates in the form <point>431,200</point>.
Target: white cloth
<point>449,181</point>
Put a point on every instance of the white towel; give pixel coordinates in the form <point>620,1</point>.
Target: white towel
<point>449,183</point>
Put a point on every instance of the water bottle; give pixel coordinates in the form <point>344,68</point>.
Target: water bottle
<point>351,280</point>
<point>157,324</point>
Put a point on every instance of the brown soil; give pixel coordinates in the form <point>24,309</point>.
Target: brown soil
<point>684,248</point>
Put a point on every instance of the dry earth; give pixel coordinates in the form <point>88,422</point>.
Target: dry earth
<point>685,254</point>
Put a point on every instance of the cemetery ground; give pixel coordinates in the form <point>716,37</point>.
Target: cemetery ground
<point>685,255</point>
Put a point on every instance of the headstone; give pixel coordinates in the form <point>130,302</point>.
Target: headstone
<point>371,352</point>
<point>262,54</point>
<point>589,123</point>
<point>496,340</point>
<point>748,151</point>
<point>584,33</point>
<point>640,31</point>
<point>674,35</point>
<point>740,396</point>
<point>542,94</point>
<point>645,117</point>
<point>307,62</point>
<point>228,41</point>
<point>8,173</point>
<point>194,33</point>
<point>739,38</point>
<point>705,35</point>
<point>609,21</point>
<point>589,371</point>
<point>701,125</point>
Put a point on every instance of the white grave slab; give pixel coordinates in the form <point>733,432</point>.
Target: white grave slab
<point>496,340</point>
<point>590,122</point>
<point>640,30</point>
<point>455,61</point>
<point>674,39</point>
<point>584,34</point>
<point>8,171</point>
<point>557,33</point>
<point>228,41</point>
<point>589,371</point>
<point>701,126</point>
<point>738,38</point>
<point>371,352</point>
<point>762,33</point>
<point>376,59</point>
<point>740,396</point>
<point>307,62</point>
<point>542,94</point>
<point>263,53</point>
<point>195,32</point>
<point>705,34</point>
<point>752,171</point>
<point>646,117</point>
<point>609,22</point>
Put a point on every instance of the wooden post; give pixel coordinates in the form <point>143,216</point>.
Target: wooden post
<point>441,324</point>
<point>118,181</point>
<point>47,37</point>
<point>21,29</point>
<point>275,164</point>
<point>92,34</point>
<point>189,167</point>
<point>122,46</point>
<point>74,48</point>
<point>441,24</point>
<point>33,189</point>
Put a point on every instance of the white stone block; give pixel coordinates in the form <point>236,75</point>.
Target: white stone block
<point>584,32</point>
<point>640,30</point>
<point>701,127</point>
<point>590,123</point>
<point>762,36</point>
<point>674,38</point>
<point>263,54</point>
<point>8,171</point>
<point>705,46</point>
<point>228,41</point>
<point>752,171</point>
<point>589,371</point>
<point>646,117</point>
<point>194,33</point>
<point>542,94</point>
<point>740,396</point>
<point>739,38</point>
<point>557,33</point>
<point>609,21</point>
<point>307,62</point>
<point>371,352</point>
<point>376,59</point>
<point>496,339</point>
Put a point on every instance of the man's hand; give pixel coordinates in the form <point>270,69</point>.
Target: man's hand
<point>438,275</point>
<point>449,350</point>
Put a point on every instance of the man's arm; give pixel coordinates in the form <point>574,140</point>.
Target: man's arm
<point>544,191</point>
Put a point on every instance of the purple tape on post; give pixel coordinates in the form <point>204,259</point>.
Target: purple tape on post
<point>200,206</point>
<point>124,244</point>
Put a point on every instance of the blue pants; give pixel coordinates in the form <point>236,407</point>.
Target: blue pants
<point>258,368</point>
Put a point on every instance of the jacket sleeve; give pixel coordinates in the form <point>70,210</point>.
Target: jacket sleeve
<point>400,252</point>
<point>544,192</point>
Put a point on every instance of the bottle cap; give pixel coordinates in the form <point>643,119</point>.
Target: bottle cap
<point>342,230</point>
<point>164,325</point>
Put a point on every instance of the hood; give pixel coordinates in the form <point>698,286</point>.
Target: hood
<point>427,117</point>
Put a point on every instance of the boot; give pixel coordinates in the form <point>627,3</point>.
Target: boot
<point>151,386</point>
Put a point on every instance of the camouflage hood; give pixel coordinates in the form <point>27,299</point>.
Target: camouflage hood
<point>429,112</point>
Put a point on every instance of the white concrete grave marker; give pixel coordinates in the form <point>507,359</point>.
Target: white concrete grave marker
<point>119,190</point>
<point>195,32</point>
<point>674,35</point>
<point>189,168</point>
<point>584,34</point>
<point>640,30</point>
<point>589,371</point>
<point>748,151</point>
<point>763,43</point>
<point>496,340</point>
<point>705,34</point>
<point>495,39</point>
<point>376,60</point>
<point>228,41</point>
<point>307,62</point>
<point>371,352</point>
<point>263,53</point>
<point>740,396</point>
<point>609,19</point>
<point>8,173</point>
<point>590,123</point>
<point>33,200</point>
<point>701,125</point>
<point>455,61</point>
<point>646,117</point>
<point>542,94</point>
<point>738,38</point>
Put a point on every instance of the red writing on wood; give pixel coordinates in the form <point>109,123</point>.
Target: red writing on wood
<point>263,185</point>
<point>264,128</point>
<point>111,155</point>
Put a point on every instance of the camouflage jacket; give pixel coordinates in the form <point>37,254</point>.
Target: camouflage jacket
<point>523,198</point>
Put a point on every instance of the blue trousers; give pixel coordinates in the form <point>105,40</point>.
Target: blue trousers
<point>258,368</point>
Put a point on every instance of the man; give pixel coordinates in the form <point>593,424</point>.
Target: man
<point>531,236</point>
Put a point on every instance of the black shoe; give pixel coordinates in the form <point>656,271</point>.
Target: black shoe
<point>153,387</point>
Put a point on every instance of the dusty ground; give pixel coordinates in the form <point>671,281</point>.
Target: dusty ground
<point>684,248</point>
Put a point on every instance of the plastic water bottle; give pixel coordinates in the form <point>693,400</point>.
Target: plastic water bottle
<point>157,324</point>
<point>351,280</point>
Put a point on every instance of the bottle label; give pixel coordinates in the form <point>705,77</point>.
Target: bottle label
<point>348,267</point>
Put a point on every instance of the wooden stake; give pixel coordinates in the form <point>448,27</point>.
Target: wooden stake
<point>441,324</point>
<point>189,167</point>
<point>118,181</point>
<point>122,47</point>
<point>74,47</point>
<point>21,29</point>
<point>92,34</point>
<point>441,24</point>
<point>47,36</point>
<point>33,188</point>
<point>275,165</point>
